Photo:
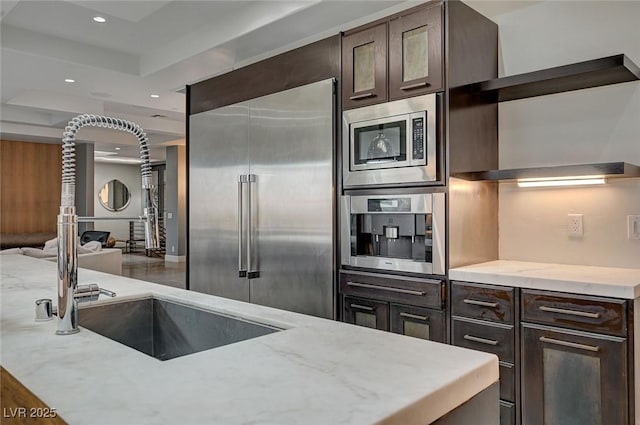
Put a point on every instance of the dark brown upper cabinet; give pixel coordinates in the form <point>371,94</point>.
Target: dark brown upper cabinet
<point>415,53</point>
<point>364,67</point>
<point>410,45</point>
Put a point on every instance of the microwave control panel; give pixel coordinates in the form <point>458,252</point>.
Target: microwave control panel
<point>418,138</point>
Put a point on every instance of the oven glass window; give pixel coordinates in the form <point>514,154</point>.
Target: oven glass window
<point>380,143</point>
<point>402,236</point>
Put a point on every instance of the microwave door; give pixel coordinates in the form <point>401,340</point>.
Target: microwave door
<point>378,144</point>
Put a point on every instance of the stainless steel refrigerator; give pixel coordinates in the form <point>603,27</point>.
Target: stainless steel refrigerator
<point>261,200</point>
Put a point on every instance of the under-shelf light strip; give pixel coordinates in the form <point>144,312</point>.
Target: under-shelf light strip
<point>561,181</point>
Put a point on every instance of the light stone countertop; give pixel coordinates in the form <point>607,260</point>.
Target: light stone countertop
<point>316,371</point>
<point>586,280</point>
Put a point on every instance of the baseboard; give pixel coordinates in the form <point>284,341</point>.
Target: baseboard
<point>175,258</point>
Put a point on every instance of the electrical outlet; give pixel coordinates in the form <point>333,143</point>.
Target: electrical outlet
<point>173,248</point>
<point>633,226</point>
<point>574,225</point>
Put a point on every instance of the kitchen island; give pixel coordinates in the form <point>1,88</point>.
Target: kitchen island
<point>313,371</point>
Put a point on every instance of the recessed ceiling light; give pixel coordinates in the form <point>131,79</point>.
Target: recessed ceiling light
<point>99,19</point>
<point>117,149</point>
<point>155,96</point>
<point>69,80</point>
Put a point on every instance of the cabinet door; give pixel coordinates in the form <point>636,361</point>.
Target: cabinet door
<point>415,53</point>
<point>507,413</point>
<point>418,322</point>
<point>364,67</point>
<point>572,377</point>
<point>368,313</point>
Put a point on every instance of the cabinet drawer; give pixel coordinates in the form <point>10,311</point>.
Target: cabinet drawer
<point>482,302</point>
<point>405,290</point>
<point>419,322</point>
<point>507,413</point>
<point>593,314</point>
<point>488,337</point>
<point>507,381</point>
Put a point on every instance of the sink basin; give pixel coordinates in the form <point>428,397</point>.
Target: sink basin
<point>165,329</point>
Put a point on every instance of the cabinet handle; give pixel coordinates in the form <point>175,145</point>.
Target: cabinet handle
<point>414,316</point>
<point>362,96</point>
<point>414,86</point>
<point>362,307</point>
<point>570,312</point>
<point>481,340</point>
<point>386,288</point>
<point>480,303</point>
<point>570,344</point>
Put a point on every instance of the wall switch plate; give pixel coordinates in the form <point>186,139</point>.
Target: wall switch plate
<point>574,225</point>
<point>633,226</point>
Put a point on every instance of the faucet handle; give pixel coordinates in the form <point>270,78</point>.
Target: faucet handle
<point>44,309</point>
<point>91,292</point>
<point>107,292</point>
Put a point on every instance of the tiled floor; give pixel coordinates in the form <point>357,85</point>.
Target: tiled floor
<point>153,269</point>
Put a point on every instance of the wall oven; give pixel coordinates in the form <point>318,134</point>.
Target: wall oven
<point>390,143</point>
<point>394,232</point>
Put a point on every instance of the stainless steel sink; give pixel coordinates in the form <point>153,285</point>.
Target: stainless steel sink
<point>165,329</point>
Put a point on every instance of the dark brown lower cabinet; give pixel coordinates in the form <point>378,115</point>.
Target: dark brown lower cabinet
<point>483,318</point>
<point>507,413</point>
<point>418,322</point>
<point>565,359</point>
<point>495,338</point>
<point>405,305</point>
<point>364,312</point>
<point>573,377</point>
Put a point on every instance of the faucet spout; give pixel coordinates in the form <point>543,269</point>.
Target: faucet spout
<point>67,275</point>
<point>67,271</point>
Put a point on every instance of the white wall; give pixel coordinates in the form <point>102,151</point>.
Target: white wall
<point>130,176</point>
<point>593,125</point>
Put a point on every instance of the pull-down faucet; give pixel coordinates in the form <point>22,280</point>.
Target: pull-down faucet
<point>68,220</point>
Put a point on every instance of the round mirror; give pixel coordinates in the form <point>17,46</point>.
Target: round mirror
<point>114,195</point>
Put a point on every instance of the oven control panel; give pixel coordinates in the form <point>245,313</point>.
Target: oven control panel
<point>418,138</point>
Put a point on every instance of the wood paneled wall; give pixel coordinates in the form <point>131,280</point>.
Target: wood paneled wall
<point>30,177</point>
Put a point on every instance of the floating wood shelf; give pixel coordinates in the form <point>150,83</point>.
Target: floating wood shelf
<point>607,169</point>
<point>581,75</point>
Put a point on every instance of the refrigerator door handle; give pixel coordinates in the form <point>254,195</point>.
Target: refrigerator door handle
<point>252,274</point>
<point>242,179</point>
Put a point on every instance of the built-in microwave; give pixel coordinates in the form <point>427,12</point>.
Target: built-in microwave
<point>390,143</point>
<point>394,232</point>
